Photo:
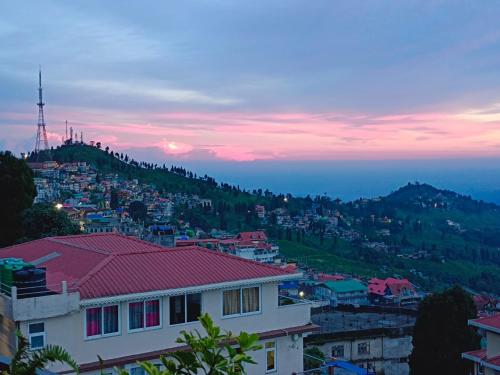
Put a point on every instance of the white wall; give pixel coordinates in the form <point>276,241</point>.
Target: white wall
<point>68,330</point>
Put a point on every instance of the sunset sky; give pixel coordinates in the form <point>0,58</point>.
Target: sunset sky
<point>256,80</point>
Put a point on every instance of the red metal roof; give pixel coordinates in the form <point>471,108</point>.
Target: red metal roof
<point>110,264</point>
<point>488,322</point>
<point>252,236</point>
<point>475,355</point>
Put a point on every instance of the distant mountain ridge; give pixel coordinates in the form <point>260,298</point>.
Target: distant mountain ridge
<point>424,195</point>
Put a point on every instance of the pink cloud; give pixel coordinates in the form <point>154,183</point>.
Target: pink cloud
<point>250,136</point>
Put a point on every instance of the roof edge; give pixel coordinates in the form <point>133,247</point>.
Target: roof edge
<point>191,289</point>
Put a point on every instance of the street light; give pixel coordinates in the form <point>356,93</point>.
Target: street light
<point>58,206</point>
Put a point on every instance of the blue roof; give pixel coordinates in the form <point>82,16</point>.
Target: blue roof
<point>348,367</point>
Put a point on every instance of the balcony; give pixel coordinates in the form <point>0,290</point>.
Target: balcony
<point>57,300</point>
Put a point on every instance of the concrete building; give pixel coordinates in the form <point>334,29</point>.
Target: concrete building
<point>128,300</point>
<point>487,360</point>
<point>377,341</point>
<point>342,292</point>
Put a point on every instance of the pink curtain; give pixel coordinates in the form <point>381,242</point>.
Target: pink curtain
<point>152,313</point>
<point>93,321</point>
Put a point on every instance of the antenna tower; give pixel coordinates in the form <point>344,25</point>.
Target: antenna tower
<point>41,131</point>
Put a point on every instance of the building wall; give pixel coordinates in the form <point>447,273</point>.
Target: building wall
<point>68,330</point>
<point>386,353</point>
<point>493,344</point>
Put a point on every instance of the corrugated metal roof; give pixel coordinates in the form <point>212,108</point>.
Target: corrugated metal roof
<point>109,264</point>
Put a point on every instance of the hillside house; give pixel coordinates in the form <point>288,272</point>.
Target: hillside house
<point>487,360</point>
<point>342,292</point>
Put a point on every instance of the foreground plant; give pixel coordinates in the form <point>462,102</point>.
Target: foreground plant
<point>211,353</point>
<point>26,362</point>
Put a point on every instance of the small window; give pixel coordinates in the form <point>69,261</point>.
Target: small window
<point>270,348</point>
<point>364,348</point>
<point>241,301</point>
<point>185,308</point>
<point>144,315</point>
<point>102,321</point>
<point>136,371</point>
<point>338,351</point>
<point>36,335</point>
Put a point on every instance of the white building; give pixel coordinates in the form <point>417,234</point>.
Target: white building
<point>128,300</point>
<point>487,360</point>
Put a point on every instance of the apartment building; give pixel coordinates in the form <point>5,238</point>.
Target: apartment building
<point>487,360</point>
<point>128,300</point>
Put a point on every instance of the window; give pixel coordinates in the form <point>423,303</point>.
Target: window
<point>185,308</point>
<point>136,371</point>
<point>241,301</point>
<point>102,321</point>
<point>270,348</point>
<point>36,335</point>
<point>364,348</point>
<point>144,315</point>
<point>338,351</point>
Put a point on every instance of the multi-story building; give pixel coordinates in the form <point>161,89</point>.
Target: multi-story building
<point>487,360</point>
<point>379,342</point>
<point>342,292</point>
<point>127,300</point>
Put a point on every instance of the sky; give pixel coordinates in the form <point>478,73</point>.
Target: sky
<point>248,81</point>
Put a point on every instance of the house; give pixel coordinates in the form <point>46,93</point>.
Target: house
<point>128,300</point>
<point>486,361</point>
<point>393,291</point>
<point>377,341</point>
<point>342,292</point>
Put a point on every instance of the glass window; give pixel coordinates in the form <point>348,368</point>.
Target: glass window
<point>102,320</point>
<point>36,335</point>
<point>177,309</point>
<point>144,314</point>
<point>94,321</point>
<point>185,308</point>
<point>364,348</point>
<point>270,348</point>
<point>338,351</point>
<point>110,319</point>
<point>250,299</point>
<point>136,371</point>
<point>193,307</point>
<point>153,313</point>
<point>232,302</point>
<point>241,301</point>
<point>136,315</point>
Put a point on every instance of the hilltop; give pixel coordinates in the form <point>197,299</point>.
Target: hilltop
<point>434,237</point>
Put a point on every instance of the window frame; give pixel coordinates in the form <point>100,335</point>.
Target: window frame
<point>37,334</point>
<point>144,328</point>
<point>241,313</point>
<point>274,348</point>
<point>102,334</point>
<point>367,352</point>
<point>338,346</point>
<point>185,309</point>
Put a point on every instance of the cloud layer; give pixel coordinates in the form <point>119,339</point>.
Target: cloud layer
<point>257,80</point>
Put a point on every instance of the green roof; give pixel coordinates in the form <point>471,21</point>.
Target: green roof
<point>345,286</point>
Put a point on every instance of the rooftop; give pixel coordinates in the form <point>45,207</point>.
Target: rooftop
<point>109,264</point>
<point>345,286</point>
<point>489,323</point>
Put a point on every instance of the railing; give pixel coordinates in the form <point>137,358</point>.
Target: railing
<point>287,301</point>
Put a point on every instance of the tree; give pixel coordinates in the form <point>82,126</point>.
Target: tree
<point>313,358</point>
<point>441,334</point>
<point>44,220</point>
<point>17,191</point>
<point>27,362</point>
<point>212,353</point>
<point>137,210</point>
<point>114,203</point>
